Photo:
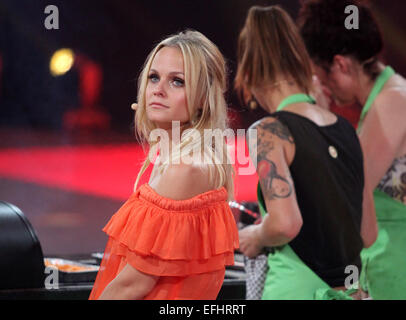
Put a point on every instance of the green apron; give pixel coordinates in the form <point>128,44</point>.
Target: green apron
<point>384,263</point>
<point>288,277</point>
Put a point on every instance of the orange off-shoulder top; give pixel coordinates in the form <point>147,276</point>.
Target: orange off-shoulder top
<point>187,243</point>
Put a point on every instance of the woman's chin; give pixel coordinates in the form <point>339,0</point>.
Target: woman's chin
<point>167,124</point>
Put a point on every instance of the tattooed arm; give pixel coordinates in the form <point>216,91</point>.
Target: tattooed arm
<point>283,221</point>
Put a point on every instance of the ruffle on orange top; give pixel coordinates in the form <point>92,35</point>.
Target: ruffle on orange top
<point>169,238</point>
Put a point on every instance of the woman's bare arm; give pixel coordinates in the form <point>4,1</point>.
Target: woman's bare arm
<point>129,284</point>
<point>283,221</point>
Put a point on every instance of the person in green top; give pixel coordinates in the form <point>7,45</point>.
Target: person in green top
<point>346,61</point>
<point>310,167</point>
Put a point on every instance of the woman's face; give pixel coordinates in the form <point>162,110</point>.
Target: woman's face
<point>339,84</point>
<point>165,93</point>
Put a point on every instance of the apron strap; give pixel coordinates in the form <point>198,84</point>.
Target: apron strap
<point>376,89</point>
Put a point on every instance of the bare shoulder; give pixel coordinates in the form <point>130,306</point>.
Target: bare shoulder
<point>274,127</point>
<point>271,138</point>
<point>385,121</point>
<point>269,134</point>
<point>183,181</point>
<point>270,127</point>
<point>389,111</point>
<point>391,102</point>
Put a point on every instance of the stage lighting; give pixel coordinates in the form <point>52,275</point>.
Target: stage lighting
<point>61,62</point>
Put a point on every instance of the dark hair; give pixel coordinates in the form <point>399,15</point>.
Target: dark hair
<point>270,44</point>
<point>322,27</point>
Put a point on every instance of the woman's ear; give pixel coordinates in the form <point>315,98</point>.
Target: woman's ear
<point>342,63</point>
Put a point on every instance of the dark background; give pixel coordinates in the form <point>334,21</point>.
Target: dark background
<point>118,35</point>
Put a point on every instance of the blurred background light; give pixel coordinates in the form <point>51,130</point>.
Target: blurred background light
<point>61,62</point>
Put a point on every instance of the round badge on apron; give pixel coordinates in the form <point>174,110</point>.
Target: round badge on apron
<point>333,152</point>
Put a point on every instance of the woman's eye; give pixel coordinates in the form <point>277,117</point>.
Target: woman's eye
<point>153,78</point>
<point>178,82</point>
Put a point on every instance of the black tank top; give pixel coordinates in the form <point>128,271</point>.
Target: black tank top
<point>328,176</point>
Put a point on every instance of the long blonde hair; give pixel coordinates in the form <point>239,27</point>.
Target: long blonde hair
<point>205,84</point>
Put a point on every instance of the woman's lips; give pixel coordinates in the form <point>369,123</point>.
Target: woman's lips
<point>158,105</point>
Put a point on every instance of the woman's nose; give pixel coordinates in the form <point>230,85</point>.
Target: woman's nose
<point>159,89</point>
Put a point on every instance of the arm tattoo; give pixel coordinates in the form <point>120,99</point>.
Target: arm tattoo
<point>274,185</point>
<point>278,129</point>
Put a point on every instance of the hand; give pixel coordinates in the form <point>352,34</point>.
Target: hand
<point>250,245</point>
<point>134,106</point>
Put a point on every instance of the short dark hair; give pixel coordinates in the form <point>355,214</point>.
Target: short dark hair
<point>322,27</point>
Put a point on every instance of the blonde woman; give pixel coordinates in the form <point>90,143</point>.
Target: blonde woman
<point>174,236</point>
